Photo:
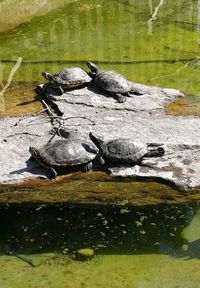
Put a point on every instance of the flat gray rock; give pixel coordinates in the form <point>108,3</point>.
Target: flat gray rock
<point>16,136</point>
<point>155,98</point>
<point>179,166</point>
<point>141,118</point>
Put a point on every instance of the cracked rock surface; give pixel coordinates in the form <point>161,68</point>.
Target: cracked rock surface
<point>143,119</point>
<point>85,110</point>
<point>16,136</point>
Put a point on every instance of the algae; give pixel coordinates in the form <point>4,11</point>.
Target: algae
<point>192,232</point>
<point>126,246</point>
<point>111,271</point>
<point>78,30</point>
<point>190,105</point>
<point>20,98</point>
<point>93,189</point>
<point>25,11</point>
<point>85,30</point>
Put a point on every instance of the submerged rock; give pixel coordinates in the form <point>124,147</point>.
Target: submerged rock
<point>83,254</point>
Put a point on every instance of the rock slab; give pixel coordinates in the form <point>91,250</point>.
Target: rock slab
<point>85,110</point>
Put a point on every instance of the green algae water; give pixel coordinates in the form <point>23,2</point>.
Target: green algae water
<point>149,41</point>
<point>154,246</point>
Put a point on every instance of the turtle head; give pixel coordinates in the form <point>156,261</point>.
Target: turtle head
<point>65,133</point>
<point>34,152</point>
<point>92,67</point>
<point>97,141</point>
<point>47,76</point>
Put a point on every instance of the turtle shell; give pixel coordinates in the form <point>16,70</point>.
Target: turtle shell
<point>63,153</point>
<point>124,150</point>
<point>112,81</point>
<point>71,77</point>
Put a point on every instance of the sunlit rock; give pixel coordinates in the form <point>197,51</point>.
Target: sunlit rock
<point>141,118</point>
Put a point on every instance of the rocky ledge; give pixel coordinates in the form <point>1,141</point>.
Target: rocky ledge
<point>85,110</point>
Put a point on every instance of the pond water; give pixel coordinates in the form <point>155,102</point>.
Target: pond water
<point>138,247</point>
<point>118,35</point>
<point>152,246</point>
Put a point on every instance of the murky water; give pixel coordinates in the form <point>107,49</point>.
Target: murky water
<point>118,35</point>
<point>154,246</point>
<point>138,247</point>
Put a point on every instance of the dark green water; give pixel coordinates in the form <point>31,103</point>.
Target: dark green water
<point>154,246</point>
<point>140,247</point>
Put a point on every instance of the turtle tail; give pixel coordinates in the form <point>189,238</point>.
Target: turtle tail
<point>159,152</point>
<point>97,141</point>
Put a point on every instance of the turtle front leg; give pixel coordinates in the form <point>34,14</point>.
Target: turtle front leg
<point>159,152</point>
<point>135,92</point>
<point>61,90</point>
<point>41,89</point>
<point>88,167</point>
<point>53,174</point>
<point>120,98</point>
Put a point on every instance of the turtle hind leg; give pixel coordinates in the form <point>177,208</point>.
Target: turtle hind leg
<point>120,98</point>
<point>159,152</point>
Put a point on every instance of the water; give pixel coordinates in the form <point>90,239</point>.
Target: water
<point>117,34</point>
<point>152,246</point>
<point>138,247</point>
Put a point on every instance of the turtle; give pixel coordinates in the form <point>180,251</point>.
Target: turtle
<point>68,78</point>
<point>65,154</point>
<point>114,83</point>
<point>122,150</point>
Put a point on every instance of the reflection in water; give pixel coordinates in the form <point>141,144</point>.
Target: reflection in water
<point>154,229</point>
<point>154,16</point>
<point>113,34</point>
<point>144,239</point>
<point>12,73</point>
<point>105,32</point>
<point>198,21</point>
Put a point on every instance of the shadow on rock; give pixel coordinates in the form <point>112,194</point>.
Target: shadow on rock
<point>33,168</point>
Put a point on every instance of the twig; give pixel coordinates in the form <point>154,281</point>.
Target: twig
<point>22,133</point>
<point>73,117</point>
<point>48,109</point>
<point>175,72</point>
<point>36,113</point>
<point>153,17</point>
<point>12,72</point>
<point>52,115</point>
<point>24,259</point>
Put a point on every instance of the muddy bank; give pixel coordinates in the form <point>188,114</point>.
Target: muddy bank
<point>13,13</point>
